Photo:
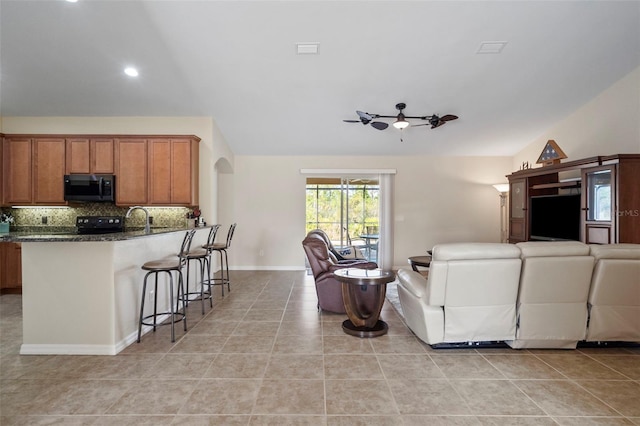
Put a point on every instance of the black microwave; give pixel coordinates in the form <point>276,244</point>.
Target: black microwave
<point>92,188</point>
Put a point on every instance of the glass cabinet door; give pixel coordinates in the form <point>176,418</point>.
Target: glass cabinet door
<point>518,199</point>
<point>598,187</point>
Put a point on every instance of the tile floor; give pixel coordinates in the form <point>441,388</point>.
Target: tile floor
<point>264,356</point>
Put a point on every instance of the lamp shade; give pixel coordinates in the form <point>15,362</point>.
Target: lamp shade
<point>501,187</point>
<point>401,124</point>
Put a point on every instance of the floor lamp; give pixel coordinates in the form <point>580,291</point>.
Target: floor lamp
<point>503,189</point>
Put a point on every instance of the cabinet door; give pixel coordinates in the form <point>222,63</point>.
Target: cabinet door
<point>518,210</point>
<point>102,156</point>
<point>17,171</point>
<point>160,171</point>
<point>89,156</point>
<point>78,156</point>
<point>172,172</point>
<point>182,176</point>
<point>598,205</point>
<point>11,261</point>
<point>48,170</point>
<point>131,172</point>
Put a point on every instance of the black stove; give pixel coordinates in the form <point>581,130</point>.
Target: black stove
<point>99,224</point>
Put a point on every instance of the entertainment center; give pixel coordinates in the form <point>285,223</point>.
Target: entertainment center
<point>595,200</point>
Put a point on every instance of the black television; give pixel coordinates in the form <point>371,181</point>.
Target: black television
<point>555,217</point>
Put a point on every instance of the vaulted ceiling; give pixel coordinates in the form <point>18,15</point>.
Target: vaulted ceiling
<point>236,61</point>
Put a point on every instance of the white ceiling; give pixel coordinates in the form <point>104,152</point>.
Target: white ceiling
<point>236,61</point>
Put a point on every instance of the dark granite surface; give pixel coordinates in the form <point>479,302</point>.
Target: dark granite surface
<point>61,234</point>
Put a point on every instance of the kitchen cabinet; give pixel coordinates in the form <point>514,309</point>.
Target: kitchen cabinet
<point>48,170</point>
<point>131,169</point>
<point>10,268</point>
<point>173,171</point>
<point>17,171</point>
<point>150,170</point>
<point>33,170</point>
<point>90,156</point>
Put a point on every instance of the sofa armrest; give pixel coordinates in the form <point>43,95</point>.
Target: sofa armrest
<point>413,282</point>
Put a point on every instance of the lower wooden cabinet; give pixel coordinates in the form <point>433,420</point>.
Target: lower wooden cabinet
<point>11,268</point>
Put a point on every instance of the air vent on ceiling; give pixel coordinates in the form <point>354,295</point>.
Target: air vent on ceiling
<point>307,48</point>
<point>491,47</point>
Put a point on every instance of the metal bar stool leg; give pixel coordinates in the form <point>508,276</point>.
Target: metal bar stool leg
<point>228,279</point>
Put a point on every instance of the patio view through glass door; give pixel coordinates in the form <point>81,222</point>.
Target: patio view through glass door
<point>347,209</point>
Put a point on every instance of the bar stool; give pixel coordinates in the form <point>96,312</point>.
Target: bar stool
<point>168,266</point>
<point>224,264</point>
<point>203,256</point>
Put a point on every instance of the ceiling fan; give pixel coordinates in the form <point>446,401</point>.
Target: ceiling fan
<point>401,119</point>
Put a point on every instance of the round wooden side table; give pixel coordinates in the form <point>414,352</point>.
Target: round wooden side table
<point>416,261</point>
<point>358,284</point>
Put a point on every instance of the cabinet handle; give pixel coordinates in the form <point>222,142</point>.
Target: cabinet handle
<point>585,208</point>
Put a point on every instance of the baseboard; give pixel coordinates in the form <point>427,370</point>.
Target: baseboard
<point>38,349</point>
<point>266,268</point>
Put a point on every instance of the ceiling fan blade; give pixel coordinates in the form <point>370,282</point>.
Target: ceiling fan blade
<point>364,116</point>
<point>379,125</point>
<point>448,117</point>
<point>352,121</point>
<point>438,124</point>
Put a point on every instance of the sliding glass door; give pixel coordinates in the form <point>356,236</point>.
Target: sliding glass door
<point>347,209</point>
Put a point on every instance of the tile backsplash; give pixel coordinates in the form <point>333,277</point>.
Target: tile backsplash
<point>163,217</point>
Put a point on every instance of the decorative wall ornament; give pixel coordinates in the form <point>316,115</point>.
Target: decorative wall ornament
<point>551,154</point>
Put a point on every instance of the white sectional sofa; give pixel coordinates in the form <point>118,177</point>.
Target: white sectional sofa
<point>470,294</point>
<point>529,295</point>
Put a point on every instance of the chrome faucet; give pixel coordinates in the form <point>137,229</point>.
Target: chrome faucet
<point>147,228</point>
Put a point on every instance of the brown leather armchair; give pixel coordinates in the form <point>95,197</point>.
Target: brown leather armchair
<point>323,263</point>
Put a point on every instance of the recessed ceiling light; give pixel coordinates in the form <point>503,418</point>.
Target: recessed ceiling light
<point>131,72</point>
<point>72,1</point>
<point>491,47</point>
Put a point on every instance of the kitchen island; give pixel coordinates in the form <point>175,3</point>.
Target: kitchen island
<point>81,293</point>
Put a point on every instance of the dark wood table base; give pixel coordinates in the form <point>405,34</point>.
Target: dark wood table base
<point>380,328</point>
<point>363,292</point>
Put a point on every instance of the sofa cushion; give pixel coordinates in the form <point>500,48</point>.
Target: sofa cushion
<point>553,248</point>
<point>465,251</point>
<point>615,251</point>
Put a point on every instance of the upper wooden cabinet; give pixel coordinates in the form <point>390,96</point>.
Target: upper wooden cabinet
<point>17,170</point>
<point>86,155</point>
<point>173,171</point>
<point>48,170</point>
<point>149,170</point>
<point>131,169</point>
<point>33,170</point>
<point>157,170</point>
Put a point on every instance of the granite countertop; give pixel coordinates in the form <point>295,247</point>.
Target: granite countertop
<point>51,234</point>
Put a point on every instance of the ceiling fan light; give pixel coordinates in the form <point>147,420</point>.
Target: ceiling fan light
<point>401,123</point>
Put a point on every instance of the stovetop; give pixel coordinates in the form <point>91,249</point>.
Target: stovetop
<point>99,224</point>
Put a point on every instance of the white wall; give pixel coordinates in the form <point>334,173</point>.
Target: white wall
<point>609,124</point>
<point>212,144</point>
<point>437,199</point>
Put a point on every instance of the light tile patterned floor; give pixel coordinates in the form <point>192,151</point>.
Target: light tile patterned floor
<point>265,356</point>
